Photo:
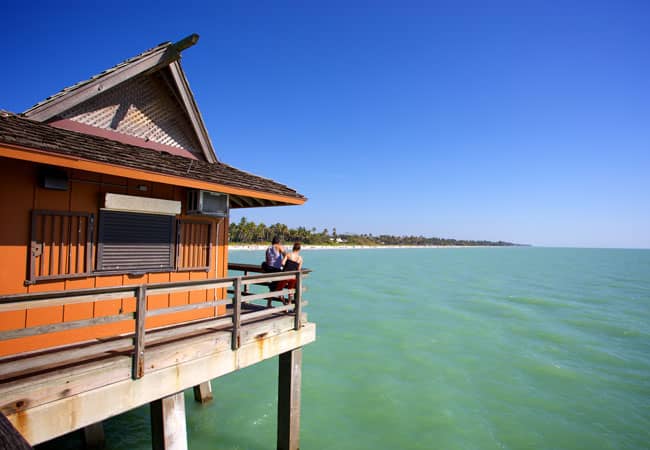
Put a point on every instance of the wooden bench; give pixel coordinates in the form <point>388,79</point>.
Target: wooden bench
<point>255,268</point>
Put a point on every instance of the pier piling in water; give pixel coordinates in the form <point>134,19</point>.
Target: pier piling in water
<point>94,437</point>
<point>203,392</point>
<point>289,380</point>
<point>168,429</point>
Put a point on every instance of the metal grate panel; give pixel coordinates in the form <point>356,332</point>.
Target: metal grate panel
<point>135,241</point>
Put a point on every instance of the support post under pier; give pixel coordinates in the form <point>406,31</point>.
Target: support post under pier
<point>94,436</point>
<point>203,392</point>
<point>168,429</point>
<point>289,379</point>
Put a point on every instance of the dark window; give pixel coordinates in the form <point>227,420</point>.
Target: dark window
<point>135,242</point>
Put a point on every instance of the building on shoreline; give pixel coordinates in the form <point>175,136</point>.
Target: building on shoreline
<point>115,290</point>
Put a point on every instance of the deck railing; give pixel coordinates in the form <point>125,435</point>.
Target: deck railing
<point>136,342</point>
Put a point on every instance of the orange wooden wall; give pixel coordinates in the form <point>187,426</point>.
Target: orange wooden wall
<point>20,194</point>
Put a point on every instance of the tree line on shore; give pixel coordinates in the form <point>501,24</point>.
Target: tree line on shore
<point>247,232</point>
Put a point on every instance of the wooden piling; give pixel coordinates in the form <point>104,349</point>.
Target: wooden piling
<point>289,379</point>
<point>94,436</point>
<point>203,392</point>
<point>168,429</point>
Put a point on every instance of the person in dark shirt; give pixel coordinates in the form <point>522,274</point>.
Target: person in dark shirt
<point>292,261</point>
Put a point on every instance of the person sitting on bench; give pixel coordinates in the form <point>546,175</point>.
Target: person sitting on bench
<point>273,263</point>
<point>274,255</point>
<point>292,261</point>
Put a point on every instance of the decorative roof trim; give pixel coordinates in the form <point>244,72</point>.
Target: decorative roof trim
<point>187,98</point>
<point>71,125</point>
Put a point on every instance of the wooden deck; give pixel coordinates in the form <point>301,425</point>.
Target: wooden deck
<point>48,393</point>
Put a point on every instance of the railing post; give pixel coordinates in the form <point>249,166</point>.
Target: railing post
<point>236,313</point>
<point>138,339</point>
<point>246,287</point>
<point>297,298</point>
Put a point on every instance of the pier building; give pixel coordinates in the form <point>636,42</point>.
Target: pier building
<point>115,285</point>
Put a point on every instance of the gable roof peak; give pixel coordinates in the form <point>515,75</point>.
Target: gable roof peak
<point>41,110</point>
<point>165,55</point>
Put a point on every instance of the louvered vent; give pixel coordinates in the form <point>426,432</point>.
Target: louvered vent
<point>132,242</point>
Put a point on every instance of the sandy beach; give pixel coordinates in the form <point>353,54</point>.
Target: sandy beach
<point>350,247</point>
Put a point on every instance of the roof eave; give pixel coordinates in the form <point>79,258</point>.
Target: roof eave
<point>43,157</point>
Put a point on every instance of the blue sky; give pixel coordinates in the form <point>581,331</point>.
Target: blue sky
<point>526,121</point>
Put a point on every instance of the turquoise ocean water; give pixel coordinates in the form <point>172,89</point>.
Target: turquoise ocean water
<point>471,348</point>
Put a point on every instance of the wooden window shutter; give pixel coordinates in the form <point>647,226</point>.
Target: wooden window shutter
<point>194,245</point>
<point>135,242</point>
<point>61,245</point>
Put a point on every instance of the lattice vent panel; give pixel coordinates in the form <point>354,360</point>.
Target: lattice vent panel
<point>143,107</point>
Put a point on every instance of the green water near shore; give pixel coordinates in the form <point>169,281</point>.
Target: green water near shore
<point>490,348</point>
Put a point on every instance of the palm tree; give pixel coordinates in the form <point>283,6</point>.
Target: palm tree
<point>260,232</point>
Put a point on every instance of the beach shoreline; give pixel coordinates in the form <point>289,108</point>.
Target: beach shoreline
<point>254,247</point>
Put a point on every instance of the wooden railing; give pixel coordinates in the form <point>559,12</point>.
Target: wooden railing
<point>135,343</point>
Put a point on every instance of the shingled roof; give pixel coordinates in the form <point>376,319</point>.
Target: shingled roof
<point>22,133</point>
